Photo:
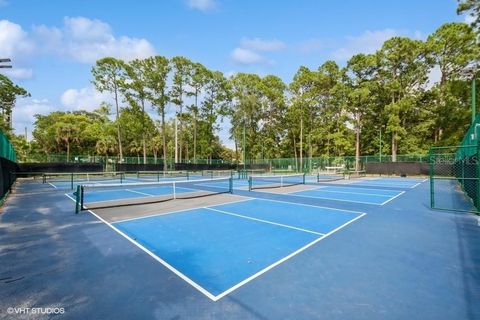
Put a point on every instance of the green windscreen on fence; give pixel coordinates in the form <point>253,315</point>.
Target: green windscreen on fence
<point>6,149</point>
<point>455,172</point>
<point>7,166</point>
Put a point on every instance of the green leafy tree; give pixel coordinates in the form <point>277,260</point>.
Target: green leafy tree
<point>273,115</point>
<point>156,71</point>
<point>9,92</point>
<point>215,104</point>
<point>182,70</point>
<point>362,69</point>
<point>67,131</point>
<point>246,113</point>
<point>453,50</point>
<point>196,81</point>
<point>403,71</point>
<point>472,8</point>
<point>109,75</point>
<point>302,90</point>
<point>136,95</point>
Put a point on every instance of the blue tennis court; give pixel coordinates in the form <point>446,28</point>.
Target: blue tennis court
<point>403,183</point>
<point>219,248</point>
<point>350,194</point>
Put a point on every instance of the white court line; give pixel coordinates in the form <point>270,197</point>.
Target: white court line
<point>306,205</point>
<point>345,192</point>
<point>388,185</point>
<point>176,211</point>
<point>398,195</point>
<point>52,185</point>
<point>154,256</point>
<point>264,221</point>
<point>362,187</point>
<point>416,185</point>
<point>308,245</point>
<point>326,198</point>
<point>240,284</point>
<point>143,193</point>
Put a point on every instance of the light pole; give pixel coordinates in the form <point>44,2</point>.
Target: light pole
<point>244,148</point>
<point>5,66</point>
<point>474,98</point>
<point>380,146</point>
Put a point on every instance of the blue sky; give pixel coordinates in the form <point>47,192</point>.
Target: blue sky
<point>53,44</point>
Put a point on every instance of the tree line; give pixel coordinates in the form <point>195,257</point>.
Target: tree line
<point>381,100</point>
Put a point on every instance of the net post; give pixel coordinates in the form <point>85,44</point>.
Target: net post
<point>230,185</point>
<point>174,191</point>
<point>318,177</point>
<point>431,171</point>
<point>71,180</point>
<point>158,176</point>
<point>303,178</point>
<point>77,199</point>
<point>138,175</point>
<point>249,183</point>
<point>188,175</point>
<point>44,178</point>
<point>121,177</point>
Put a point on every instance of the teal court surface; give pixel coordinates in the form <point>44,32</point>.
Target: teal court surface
<point>209,248</point>
<point>351,194</point>
<point>219,248</point>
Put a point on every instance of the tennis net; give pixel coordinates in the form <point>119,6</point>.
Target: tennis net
<point>69,179</point>
<point>217,173</point>
<point>265,182</point>
<point>153,176</point>
<point>326,176</point>
<point>94,196</point>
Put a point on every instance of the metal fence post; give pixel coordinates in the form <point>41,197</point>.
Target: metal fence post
<point>431,174</point>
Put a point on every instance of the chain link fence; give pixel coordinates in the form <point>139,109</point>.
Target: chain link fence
<point>454,178</point>
<point>7,166</point>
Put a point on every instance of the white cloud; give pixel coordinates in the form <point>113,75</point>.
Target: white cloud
<point>202,5</point>
<point>24,111</point>
<point>367,42</point>
<point>434,76</point>
<point>258,44</point>
<point>87,99</point>
<point>469,19</point>
<point>18,73</point>
<point>246,56</point>
<point>16,45</point>
<point>81,39</point>
<point>14,40</point>
<point>86,40</point>
<point>247,53</point>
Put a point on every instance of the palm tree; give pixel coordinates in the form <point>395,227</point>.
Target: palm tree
<point>155,144</point>
<point>67,133</point>
<point>136,148</point>
<point>106,146</point>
